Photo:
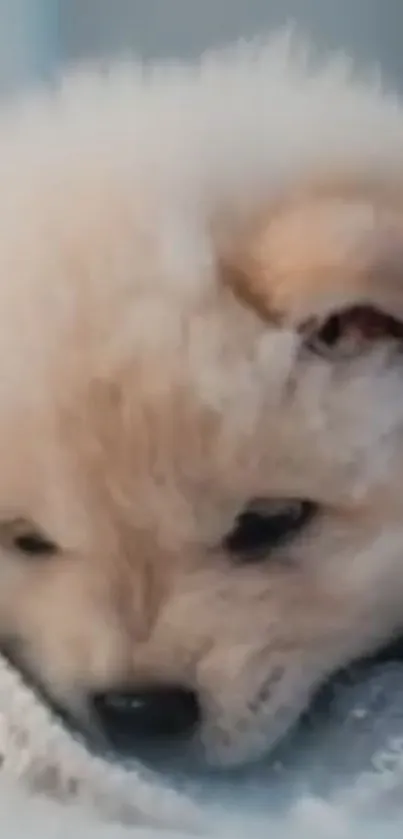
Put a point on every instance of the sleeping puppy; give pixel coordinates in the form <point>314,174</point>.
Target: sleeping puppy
<point>201,394</point>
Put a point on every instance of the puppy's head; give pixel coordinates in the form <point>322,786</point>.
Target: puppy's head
<point>201,460</point>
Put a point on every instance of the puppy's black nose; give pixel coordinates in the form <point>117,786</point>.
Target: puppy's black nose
<point>147,716</point>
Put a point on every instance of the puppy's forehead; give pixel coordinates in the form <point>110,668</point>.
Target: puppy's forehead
<point>106,281</point>
<point>125,361</point>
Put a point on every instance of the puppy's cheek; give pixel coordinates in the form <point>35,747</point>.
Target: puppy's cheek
<point>247,714</point>
<point>42,672</point>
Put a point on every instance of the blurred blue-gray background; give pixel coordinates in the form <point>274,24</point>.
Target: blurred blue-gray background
<point>39,36</point>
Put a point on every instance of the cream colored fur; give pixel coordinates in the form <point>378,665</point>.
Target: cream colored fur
<point>167,235</point>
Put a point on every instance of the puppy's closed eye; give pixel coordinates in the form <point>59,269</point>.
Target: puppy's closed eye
<point>265,525</point>
<point>26,539</point>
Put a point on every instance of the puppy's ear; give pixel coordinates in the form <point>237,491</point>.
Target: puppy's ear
<point>323,256</point>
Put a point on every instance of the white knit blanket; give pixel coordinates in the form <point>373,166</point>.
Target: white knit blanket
<point>53,788</point>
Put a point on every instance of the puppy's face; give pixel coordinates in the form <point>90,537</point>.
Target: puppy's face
<point>201,461</point>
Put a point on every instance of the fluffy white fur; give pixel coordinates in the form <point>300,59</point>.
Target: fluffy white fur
<point>143,405</point>
<point>219,136</point>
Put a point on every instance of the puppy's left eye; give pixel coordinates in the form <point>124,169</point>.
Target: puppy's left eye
<point>34,544</point>
<point>265,525</point>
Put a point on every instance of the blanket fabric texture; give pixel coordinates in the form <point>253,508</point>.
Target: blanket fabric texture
<point>340,774</point>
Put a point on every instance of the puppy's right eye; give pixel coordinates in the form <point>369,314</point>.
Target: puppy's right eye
<point>265,525</point>
<point>26,539</point>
